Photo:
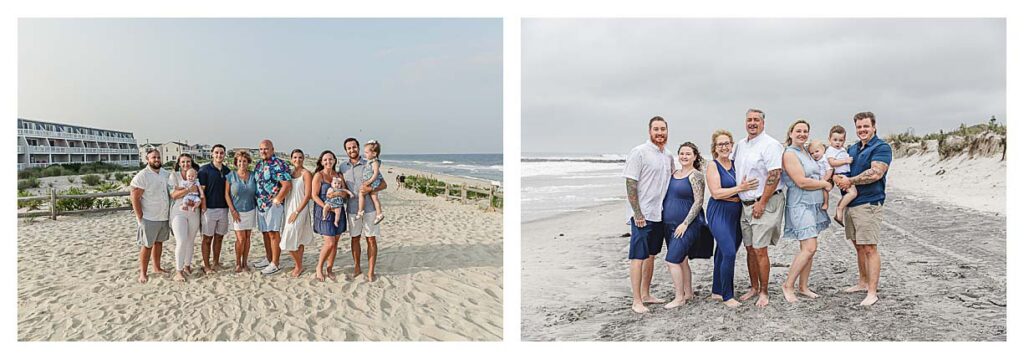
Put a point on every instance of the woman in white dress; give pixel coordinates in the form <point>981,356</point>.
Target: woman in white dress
<point>184,223</point>
<point>298,228</point>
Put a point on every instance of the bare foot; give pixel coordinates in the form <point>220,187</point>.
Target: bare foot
<point>246,268</point>
<point>159,270</point>
<point>319,276</point>
<point>788,293</point>
<point>675,303</point>
<point>180,277</point>
<point>355,273</point>
<point>188,270</point>
<point>207,270</point>
<point>732,303</point>
<point>330,274</point>
<point>143,278</point>
<point>296,272</point>
<point>217,266</point>
<point>750,294</point>
<point>370,277</point>
<point>238,269</point>
<point>808,293</point>
<point>639,308</point>
<point>869,300</point>
<point>652,300</point>
<point>716,297</point>
<point>857,288</point>
<point>688,296</point>
<point>762,301</point>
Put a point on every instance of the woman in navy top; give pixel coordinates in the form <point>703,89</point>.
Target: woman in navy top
<point>723,216</point>
<point>683,216</point>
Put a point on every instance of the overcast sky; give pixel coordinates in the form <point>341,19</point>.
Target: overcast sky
<point>416,85</point>
<point>591,85</point>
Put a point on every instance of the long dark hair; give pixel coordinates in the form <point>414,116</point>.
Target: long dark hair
<point>320,161</point>
<point>177,162</point>
<point>698,161</point>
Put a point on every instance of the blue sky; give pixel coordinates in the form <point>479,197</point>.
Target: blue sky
<point>416,85</point>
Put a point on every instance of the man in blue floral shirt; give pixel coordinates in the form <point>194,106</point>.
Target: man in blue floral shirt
<point>273,181</point>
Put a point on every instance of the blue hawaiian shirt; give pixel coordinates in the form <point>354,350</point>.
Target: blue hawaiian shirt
<point>269,174</point>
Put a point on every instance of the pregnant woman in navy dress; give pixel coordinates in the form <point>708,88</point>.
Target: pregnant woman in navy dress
<point>325,173</point>
<point>685,229</point>
<point>724,210</point>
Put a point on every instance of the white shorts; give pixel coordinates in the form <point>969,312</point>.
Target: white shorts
<point>363,227</point>
<point>247,221</point>
<point>215,221</point>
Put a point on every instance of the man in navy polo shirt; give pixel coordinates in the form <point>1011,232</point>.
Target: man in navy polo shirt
<point>215,215</point>
<point>871,159</point>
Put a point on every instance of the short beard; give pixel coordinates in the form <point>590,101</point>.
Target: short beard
<point>154,166</point>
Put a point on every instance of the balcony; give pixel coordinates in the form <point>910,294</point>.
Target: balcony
<point>21,149</point>
<point>74,136</point>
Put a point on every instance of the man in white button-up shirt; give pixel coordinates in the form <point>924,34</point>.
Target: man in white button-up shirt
<point>759,156</point>
<point>647,172</point>
<point>150,201</point>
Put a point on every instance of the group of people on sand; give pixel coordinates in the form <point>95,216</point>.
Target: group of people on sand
<point>270,196</point>
<point>760,191</point>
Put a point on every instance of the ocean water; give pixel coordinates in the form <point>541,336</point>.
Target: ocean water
<point>556,184</point>
<point>483,166</point>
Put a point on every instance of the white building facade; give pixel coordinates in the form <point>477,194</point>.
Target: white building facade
<point>41,144</point>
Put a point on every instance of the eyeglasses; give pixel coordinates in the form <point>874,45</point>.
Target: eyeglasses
<point>723,144</point>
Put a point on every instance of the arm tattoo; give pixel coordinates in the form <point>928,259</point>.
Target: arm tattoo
<point>634,198</point>
<point>870,175</point>
<point>697,183</point>
<point>773,177</point>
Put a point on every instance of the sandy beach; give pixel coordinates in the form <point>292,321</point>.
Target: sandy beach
<point>943,273</point>
<point>439,278</point>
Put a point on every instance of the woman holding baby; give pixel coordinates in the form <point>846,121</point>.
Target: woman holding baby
<point>184,218</point>
<point>328,211</point>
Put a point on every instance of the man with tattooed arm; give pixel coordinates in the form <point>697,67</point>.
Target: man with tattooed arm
<point>647,172</point>
<point>759,156</point>
<point>871,158</point>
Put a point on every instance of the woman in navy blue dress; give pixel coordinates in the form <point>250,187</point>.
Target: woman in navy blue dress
<point>723,216</point>
<point>683,216</point>
<point>325,173</point>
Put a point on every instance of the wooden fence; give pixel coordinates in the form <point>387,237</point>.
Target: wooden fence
<point>461,192</point>
<point>53,211</point>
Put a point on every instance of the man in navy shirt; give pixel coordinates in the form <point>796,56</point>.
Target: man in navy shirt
<point>871,159</point>
<point>215,213</point>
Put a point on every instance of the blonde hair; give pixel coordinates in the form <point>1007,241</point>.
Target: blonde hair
<point>789,140</point>
<point>816,143</point>
<point>714,137</point>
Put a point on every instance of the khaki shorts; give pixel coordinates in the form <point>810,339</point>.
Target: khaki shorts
<point>363,227</point>
<point>863,223</point>
<point>215,221</point>
<point>761,232</point>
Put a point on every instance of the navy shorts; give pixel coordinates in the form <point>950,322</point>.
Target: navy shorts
<point>645,242</point>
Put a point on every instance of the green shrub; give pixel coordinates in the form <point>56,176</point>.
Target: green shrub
<point>107,187</point>
<point>92,180</point>
<point>52,171</point>
<point>32,205</point>
<point>74,204</point>
<point>28,183</point>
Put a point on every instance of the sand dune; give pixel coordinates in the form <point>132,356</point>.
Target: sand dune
<point>439,278</point>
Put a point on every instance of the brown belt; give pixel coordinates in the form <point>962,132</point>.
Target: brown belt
<point>751,202</point>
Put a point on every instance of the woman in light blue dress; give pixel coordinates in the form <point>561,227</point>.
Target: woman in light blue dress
<point>804,217</point>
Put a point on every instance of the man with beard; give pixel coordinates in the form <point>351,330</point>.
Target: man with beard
<point>759,156</point>
<point>352,171</point>
<point>863,217</point>
<point>647,172</point>
<point>150,201</point>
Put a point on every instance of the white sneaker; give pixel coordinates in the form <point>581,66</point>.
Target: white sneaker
<point>262,263</point>
<point>270,269</point>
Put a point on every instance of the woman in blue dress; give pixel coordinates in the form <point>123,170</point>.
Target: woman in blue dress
<point>723,216</point>
<point>683,216</point>
<point>805,218</point>
<point>325,173</point>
